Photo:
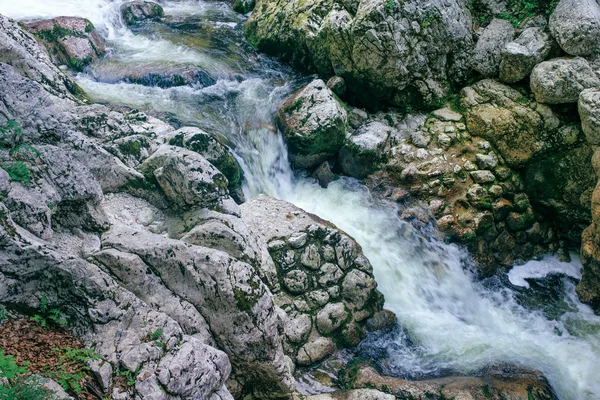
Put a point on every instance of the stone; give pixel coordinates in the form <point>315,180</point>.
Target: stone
<point>384,319</point>
<point>313,124</point>
<point>140,10</point>
<point>324,175</point>
<point>331,317</point>
<point>297,240</point>
<point>446,114</point>
<point>315,351</point>
<point>4,183</point>
<point>71,41</point>
<point>357,117</point>
<point>488,51</point>
<point>483,176</point>
<point>337,85</point>
<point>296,281</point>
<point>561,80</point>
<point>575,24</point>
<point>357,394</point>
<point>589,112</point>
<point>357,287</point>
<point>330,274</point>
<point>487,161</point>
<point>519,57</point>
<point>244,6</point>
<point>297,329</point>
<point>311,258</point>
<point>347,39</point>
<point>361,152</point>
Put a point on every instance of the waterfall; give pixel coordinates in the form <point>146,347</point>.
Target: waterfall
<point>454,322</point>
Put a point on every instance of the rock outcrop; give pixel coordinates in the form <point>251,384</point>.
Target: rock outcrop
<point>386,51</point>
<point>70,41</point>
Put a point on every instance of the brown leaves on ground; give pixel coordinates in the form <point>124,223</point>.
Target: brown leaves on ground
<point>29,342</point>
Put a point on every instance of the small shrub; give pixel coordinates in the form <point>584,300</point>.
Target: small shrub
<point>18,172</point>
<point>49,315</point>
<point>16,386</point>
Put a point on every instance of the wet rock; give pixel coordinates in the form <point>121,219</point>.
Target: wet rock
<point>314,125</point>
<point>514,384</point>
<point>483,176</point>
<point>70,41</point>
<point>519,57</point>
<point>588,288</point>
<point>150,75</point>
<point>244,6</point>
<point>331,317</point>
<point>364,149</point>
<point>141,10</point>
<point>324,175</point>
<point>346,39</point>
<point>315,351</point>
<point>562,80</point>
<point>383,319</point>
<point>357,394</point>
<point>488,51</point>
<point>575,24</point>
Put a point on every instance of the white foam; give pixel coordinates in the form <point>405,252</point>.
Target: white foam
<point>548,265</point>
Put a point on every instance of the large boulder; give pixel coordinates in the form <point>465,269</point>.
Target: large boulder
<point>520,129</point>
<point>70,41</point>
<point>562,80</point>
<point>488,51</point>
<point>326,289</point>
<point>519,57</point>
<point>314,125</point>
<point>575,24</point>
<point>140,10</point>
<point>243,6</point>
<point>364,149</point>
<point>387,51</point>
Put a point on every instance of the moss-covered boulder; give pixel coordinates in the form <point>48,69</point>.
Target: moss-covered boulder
<point>243,6</point>
<point>70,41</point>
<point>364,149</point>
<point>314,125</point>
<point>141,10</point>
<point>387,51</point>
<point>215,152</point>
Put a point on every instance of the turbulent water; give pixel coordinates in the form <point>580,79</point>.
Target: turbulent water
<point>450,323</point>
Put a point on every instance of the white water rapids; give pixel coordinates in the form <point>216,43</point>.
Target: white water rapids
<point>454,323</point>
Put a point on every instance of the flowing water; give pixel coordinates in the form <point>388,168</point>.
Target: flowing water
<point>450,323</point>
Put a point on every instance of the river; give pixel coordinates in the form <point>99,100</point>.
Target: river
<point>450,322</point>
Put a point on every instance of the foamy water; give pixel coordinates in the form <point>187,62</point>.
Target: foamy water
<point>454,323</point>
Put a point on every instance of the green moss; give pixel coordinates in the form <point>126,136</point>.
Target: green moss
<point>244,301</point>
<point>132,147</point>
<point>389,6</point>
<point>18,172</point>
<point>486,391</point>
<point>295,106</point>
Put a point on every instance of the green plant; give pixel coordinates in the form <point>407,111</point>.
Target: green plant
<point>49,315</point>
<point>18,172</point>
<point>3,314</point>
<point>15,386</point>
<point>10,133</point>
<point>72,368</point>
<point>129,375</point>
<point>389,6</point>
<point>156,334</point>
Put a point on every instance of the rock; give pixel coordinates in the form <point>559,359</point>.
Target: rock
<point>244,6</point>
<point>215,152</point>
<point>357,117</point>
<point>313,124</point>
<point>519,57</point>
<point>393,62</point>
<point>357,394</point>
<point>58,393</point>
<point>337,85</point>
<point>70,41</point>
<point>519,130</point>
<point>324,175</point>
<point>140,10</point>
<point>487,161</point>
<point>588,288</point>
<point>331,317</point>
<point>324,274</point>
<point>315,351</point>
<point>483,176</point>
<point>488,51</point>
<point>575,24</point>
<point>4,183</point>
<point>561,186</point>
<point>186,177</point>
<point>446,114</point>
<point>562,80</point>
<point>589,112</point>
<point>512,384</point>
<point>364,149</point>
<point>113,71</point>
<point>383,319</point>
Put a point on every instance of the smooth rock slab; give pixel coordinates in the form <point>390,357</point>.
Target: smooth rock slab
<point>562,80</point>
